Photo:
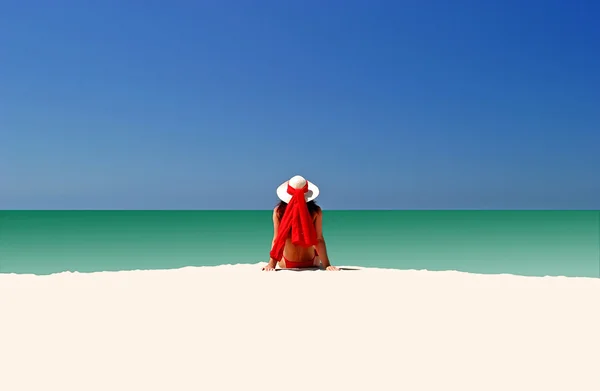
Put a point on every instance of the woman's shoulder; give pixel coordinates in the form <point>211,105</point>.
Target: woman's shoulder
<point>317,212</point>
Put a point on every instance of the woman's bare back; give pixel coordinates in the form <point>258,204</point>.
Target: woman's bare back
<point>298,254</point>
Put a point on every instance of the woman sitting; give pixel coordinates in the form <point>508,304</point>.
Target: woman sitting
<point>298,230</point>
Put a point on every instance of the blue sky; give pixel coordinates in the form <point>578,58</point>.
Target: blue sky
<point>383,104</point>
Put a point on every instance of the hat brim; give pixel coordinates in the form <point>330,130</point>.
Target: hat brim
<point>311,194</point>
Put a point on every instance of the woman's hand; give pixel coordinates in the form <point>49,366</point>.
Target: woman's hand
<point>332,268</point>
<point>270,266</point>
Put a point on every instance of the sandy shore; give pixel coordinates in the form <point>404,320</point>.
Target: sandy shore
<point>237,328</point>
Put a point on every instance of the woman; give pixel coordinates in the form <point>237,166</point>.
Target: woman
<point>298,231</point>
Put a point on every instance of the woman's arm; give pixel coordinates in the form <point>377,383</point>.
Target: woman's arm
<point>321,246</point>
<point>275,227</point>
<point>273,262</point>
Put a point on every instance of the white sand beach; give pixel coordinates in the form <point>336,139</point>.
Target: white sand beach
<point>237,328</point>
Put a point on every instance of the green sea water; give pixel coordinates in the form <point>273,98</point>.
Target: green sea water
<point>533,243</point>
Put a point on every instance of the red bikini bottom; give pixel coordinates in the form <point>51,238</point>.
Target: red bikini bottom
<point>299,265</point>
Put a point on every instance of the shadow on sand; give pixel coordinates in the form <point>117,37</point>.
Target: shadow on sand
<point>310,269</point>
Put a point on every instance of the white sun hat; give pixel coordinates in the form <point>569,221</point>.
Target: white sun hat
<point>297,182</point>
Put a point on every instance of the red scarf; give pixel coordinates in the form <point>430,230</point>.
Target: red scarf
<point>296,219</point>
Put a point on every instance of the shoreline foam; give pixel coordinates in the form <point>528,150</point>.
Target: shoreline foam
<point>257,267</point>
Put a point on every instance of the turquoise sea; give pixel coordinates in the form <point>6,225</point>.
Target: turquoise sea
<point>534,243</point>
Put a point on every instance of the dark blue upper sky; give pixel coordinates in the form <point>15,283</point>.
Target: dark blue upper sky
<point>383,104</point>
